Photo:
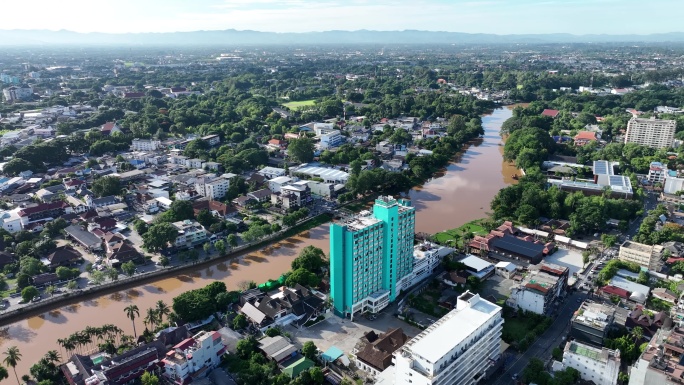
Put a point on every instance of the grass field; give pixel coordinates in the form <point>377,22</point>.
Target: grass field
<point>457,233</point>
<point>299,104</point>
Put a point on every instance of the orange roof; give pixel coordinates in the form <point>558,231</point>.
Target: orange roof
<point>586,135</point>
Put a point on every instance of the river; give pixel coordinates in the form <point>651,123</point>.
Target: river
<point>459,194</point>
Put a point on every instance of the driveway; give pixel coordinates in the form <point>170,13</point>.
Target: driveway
<point>344,334</point>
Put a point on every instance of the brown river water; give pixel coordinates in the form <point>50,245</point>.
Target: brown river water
<point>459,194</point>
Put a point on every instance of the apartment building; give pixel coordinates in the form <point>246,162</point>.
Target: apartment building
<point>190,234</point>
<point>194,357</point>
<point>600,366</point>
<point>647,256</point>
<point>212,188</point>
<point>657,172</point>
<point>540,288</point>
<point>332,139</point>
<point>15,93</point>
<point>593,320</point>
<point>145,144</point>
<point>651,132</point>
<point>457,349</point>
<point>292,196</point>
<point>369,255</point>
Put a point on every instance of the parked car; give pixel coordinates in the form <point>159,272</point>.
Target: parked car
<point>36,298</point>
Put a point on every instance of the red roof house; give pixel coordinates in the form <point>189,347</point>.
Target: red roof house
<point>550,113</point>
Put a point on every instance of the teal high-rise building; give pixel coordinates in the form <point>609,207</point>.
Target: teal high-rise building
<point>369,254</point>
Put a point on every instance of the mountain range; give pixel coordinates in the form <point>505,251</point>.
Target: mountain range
<point>231,37</point>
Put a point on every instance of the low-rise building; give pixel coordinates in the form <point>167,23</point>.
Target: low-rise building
<point>657,172</point>
<point>193,358</point>
<point>478,267</point>
<point>598,365</point>
<point>190,234</point>
<point>661,362</point>
<point>272,172</point>
<point>540,289</point>
<point>594,320</point>
<point>373,353</point>
<point>427,257</point>
<point>646,256</point>
<point>145,144</point>
<point>328,175</point>
<point>212,188</point>
<point>292,196</point>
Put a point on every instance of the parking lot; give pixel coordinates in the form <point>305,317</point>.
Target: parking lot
<point>497,286</point>
<point>344,334</point>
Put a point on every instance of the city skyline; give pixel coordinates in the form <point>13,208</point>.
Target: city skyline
<point>491,16</point>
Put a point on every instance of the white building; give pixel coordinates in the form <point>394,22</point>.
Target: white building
<point>332,139</point>
<point>10,220</point>
<point>212,188</point>
<point>457,349</point>
<point>426,258</point>
<point>276,184</point>
<point>657,172</point>
<point>190,234</point>
<point>601,366</point>
<point>329,175</point>
<point>201,353</point>
<point>478,267</point>
<point>540,288</point>
<point>673,185</point>
<point>145,144</point>
<point>323,128</point>
<point>651,132</point>
<point>271,172</point>
<point>14,93</point>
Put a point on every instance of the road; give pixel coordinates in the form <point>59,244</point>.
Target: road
<point>544,345</point>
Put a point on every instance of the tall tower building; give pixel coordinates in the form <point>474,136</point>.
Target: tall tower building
<point>369,254</point>
<point>651,132</point>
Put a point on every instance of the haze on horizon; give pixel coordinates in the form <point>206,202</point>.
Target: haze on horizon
<point>472,16</point>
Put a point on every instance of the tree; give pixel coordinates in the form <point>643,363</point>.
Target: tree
<point>15,166</point>
<point>12,358</point>
<point>205,218</point>
<point>220,246</point>
<point>301,149</point>
<point>3,373</point>
<point>273,332</point>
<point>162,309</point>
<point>149,378</point>
<point>637,333</point>
<point>159,236</point>
<point>128,268</point>
<point>474,283</point>
<point>232,240</point>
<point>310,258</point>
<point>97,277</point>
<point>140,227</point>
<point>608,240</point>
<point>106,186</point>
<point>239,322</point>
<point>132,311</point>
<point>113,274</point>
<point>72,285</point>
<point>303,277</point>
<point>207,248</point>
<point>557,354</point>
<point>51,290</point>
<point>309,350</point>
<point>164,261</point>
<point>585,257</point>
<point>28,293</point>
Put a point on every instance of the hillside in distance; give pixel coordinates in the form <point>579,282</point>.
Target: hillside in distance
<point>233,37</point>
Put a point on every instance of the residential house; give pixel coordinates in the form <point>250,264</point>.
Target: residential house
<point>122,252</point>
<point>292,196</point>
<point>540,289</point>
<point>373,353</point>
<point>263,195</point>
<point>295,305</point>
<point>193,358</point>
<point>584,137</point>
<point>278,348</point>
<point>190,234</point>
<point>94,203</point>
<point>593,322</point>
<point>277,144</point>
<point>102,368</point>
<point>44,279</point>
<point>550,113</point>
<point>216,208</point>
<point>62,256</point>
<point>212,140</point>
<point>648,322</point>
<point>110,128</point>
<point>43,211</point>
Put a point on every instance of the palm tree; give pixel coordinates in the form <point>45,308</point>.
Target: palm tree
<point>132,311</point>
<point>53,356</point>
<point>12,358</point>
<point>162,310</point>
<point>151,317</point>
<point>3,373</point>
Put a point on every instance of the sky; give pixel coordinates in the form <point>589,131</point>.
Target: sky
<point>472,16</point>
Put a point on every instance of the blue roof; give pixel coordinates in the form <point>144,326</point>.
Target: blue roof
<point>332,354</point>
<point>136,161</point>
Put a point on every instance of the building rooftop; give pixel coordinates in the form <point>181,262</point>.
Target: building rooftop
<point>602,355</point>
<point>359,222</point>
<point>455,327</point>
<point>637,246</point>
<point>476,263</point>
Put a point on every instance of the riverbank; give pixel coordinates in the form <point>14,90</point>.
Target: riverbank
<point>456,235</point>
<point>89,293</point>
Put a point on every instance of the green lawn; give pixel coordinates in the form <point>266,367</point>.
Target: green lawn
<point>299,104</point>
<point>457,233</point>
<point>517,328</point>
